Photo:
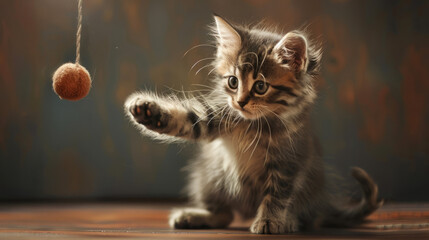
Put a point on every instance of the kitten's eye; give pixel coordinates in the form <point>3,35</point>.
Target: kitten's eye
<point>233,82</point>
<point>260,87</point>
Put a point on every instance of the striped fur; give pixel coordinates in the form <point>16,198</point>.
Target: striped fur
<point>258,156</point>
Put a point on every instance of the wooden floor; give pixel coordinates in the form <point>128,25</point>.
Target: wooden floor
<point>149,221</point>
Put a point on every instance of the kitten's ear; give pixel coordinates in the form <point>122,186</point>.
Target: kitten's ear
<point>228,38</point>
<point>292,51</point>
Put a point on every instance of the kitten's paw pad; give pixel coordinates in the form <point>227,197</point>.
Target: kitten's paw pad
<point>269,226</point>
<point>149,114</point>
<point>183,219</point>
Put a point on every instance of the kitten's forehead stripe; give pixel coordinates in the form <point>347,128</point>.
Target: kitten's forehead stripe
<point>247,63</point>
<point>256,45</point>
<point>250,80</point>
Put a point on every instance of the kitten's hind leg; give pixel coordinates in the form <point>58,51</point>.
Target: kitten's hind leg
<point>186,218</point>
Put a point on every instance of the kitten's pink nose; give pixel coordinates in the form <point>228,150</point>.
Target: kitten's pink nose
<point>242,104</point>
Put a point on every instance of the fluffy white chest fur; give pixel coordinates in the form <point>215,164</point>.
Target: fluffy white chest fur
<point>240,163</point>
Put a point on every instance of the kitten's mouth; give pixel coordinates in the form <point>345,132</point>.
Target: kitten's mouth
<point>243,112</point>
<point>246,114</point>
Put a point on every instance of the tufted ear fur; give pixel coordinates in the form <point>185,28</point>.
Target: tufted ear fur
<point>228,38</point>
<point>292,51</point>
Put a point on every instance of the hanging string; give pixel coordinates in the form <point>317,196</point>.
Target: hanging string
<point>79,30</point>
<point>72,81</point>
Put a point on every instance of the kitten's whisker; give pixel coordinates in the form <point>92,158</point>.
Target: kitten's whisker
<point>211,71</point>
<point>223,115</point>
<point>248,127</point>
<point>220,111</point>
<point>254,139</point>
<point>202,85</point>
<point>201,60</point>
<point>243,136</point>
<point>228,119</point>
<point>289,135</point>
<point>225,126</point>
<point>276,115</point>
<point>291,143</point>
<point>259,138</point>
<point>238,119</point>
<point>200,45</point>
<point>203,91</point>
<point>205,66</point>
<point>202,118</point>
<point>188,91</point>
<point>269,140</point>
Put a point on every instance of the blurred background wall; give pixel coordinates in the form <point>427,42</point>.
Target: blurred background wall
<point>373,109</point>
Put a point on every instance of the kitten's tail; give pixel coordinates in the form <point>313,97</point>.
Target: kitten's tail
<point>350,215</point>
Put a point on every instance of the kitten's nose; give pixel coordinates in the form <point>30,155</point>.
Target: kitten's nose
<point>242,103</point>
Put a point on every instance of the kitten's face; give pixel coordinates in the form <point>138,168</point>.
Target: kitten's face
<point>261,71</point>
<point>256,93</point>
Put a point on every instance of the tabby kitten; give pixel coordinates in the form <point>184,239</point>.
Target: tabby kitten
<point>258,156</point>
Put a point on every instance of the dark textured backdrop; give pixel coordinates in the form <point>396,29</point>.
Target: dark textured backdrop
<point>373,108</point>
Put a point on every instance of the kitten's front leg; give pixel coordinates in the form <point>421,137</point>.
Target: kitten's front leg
<point>273,219</point>
<point>274,215</point>
<point>200,218</point>
<point>168,116</point>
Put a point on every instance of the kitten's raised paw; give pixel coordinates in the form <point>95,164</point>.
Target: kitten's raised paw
<point>149,114</point>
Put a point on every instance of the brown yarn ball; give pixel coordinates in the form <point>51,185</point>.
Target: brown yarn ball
<point>71,81</point>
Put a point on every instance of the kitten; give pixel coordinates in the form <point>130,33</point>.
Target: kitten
<point>258,155</point>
